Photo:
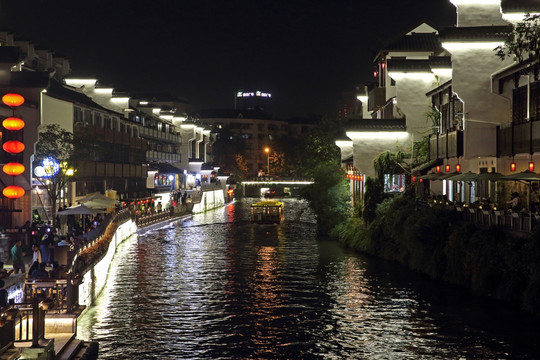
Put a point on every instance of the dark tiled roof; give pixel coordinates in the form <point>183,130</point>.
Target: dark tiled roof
<point>440,62</point>
<point>57,90</point>
<point>525,6</point>
<point>377,125</point>
<point>25,79</point>
<point>408,65</point>
<point>10,54</point>
<point>477,33</point>
<point>165,168</point>
<point>416,42</point>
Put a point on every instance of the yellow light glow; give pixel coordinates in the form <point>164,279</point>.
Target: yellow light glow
<point>120,99</point>
<point>465,46</point>
<point>515,17</point>
<point>376,135</point>
<point>443,72</point>
<point>104,90</point>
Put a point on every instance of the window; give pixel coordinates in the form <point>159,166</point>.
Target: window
<point>135,132</point>
<point>122,127</point>
<point>98,120</point>
<point>128,130</point>
<point>77,115</point>
<point>107,122</point>
<point>115,124</point>
<point>87,117</point>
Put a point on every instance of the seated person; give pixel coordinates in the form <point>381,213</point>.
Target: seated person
<point>40,273</point>
<point>56,272</point>
<point>3,272</point>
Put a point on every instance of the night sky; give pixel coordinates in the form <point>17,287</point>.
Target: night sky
<point>305,52</point>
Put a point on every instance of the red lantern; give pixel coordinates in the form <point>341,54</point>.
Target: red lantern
<point>13,123</point>
<point>13,168</point>
<point>438,168</point>
<point>13,146</point>
<point>361,177</point>
<point>13,192</point>
<point>414,179</point>
<point>13,100</point>
<point>513,166</point>
<point>421,180</point>
<point>458,168</point>
<point>447,168</point>
<point>531,166</point>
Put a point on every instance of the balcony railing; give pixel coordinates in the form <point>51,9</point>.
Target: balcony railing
<point>523,138</point>
<point>159,135</point>
<point>446,145</point>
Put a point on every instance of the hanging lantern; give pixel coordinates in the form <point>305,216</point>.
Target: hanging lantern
<point>458,168</point>
<point>13,146</point>
<point>447,168</point>
<point>361,177</point>
<point>13,123</point>
<point>414,179</point>
<point>438,168</point>
<point>13,100</point>
<point>13,168</point>
<point>531,166</point>
<point>13,192</point>
<point>513,166</point>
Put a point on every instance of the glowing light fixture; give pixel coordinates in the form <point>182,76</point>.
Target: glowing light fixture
<point>456,46</point>
<point>13,192</point>
<point>447,168</point>
<point>13,99</point>
<point>13,168</point>
<point>422,76</point>
<point>13,123</point>
<point>438,168</point>
<point>13,146</point>
<point>531,166</point>
<point>513,166</point>
<point>458,168</point>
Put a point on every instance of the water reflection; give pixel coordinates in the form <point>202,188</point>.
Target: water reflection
<point>217,286</point>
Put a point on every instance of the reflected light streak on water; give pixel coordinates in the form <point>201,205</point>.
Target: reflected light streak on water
<point>217,287</point>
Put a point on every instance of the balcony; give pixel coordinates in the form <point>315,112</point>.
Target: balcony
<point>376,98</point>
<point>152,155</point>
<point>446,145</point>
<point>159,135</point>
<point>523,138</point>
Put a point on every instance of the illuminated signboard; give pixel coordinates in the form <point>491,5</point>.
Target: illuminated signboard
<point>242,94</point>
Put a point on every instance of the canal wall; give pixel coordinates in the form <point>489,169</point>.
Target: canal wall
<point>212,199</point>
<point>94,279</point>
<point>504,265</point>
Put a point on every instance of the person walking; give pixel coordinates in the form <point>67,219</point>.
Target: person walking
<point>17,258</point>
<point>44,247</point>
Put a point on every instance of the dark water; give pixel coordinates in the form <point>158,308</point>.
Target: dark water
<point>217,287</point>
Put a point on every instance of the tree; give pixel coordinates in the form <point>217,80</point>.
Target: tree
<point>523,41</point>
<point>54,151</point>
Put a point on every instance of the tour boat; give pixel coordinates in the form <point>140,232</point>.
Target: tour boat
<point>267,212</point>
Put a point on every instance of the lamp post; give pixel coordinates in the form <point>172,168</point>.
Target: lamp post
<point>267,151</point>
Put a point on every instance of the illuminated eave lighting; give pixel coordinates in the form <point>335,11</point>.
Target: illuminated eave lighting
<point>423,76</point>
<point>72,82</point>
<point>143,102</point>
<point>206,132</point>
<point>516,17</point>
<point>344,143</point>
<point>475,2</point>
<point>198,128</point>
<point>179,118</point>
<point>187,126</point>
<point>156,111</point>
<point>206,172</point>
<point>166,117</point>
<point>471,45</point>
<point>120,99</point>
<point>377,135</point>
<point>362,98</point>
<point>196,162</point>
<point>442,72</point>
<point>104,90</point>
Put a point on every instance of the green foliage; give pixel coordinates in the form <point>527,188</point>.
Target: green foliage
<point>434,116</point>
<point>389,162</point>
<point>54,142</point>
<point>328,196</point>
<point>420,151</point>
<point>523,41</point>
<point>372,197</point>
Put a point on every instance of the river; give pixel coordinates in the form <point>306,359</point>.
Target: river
<point>215,286</point>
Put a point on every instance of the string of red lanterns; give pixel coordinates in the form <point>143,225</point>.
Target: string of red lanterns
<point>13,146</point>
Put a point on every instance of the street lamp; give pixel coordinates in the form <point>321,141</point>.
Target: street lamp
<point>267,151</point>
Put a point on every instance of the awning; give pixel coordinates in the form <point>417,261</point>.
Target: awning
<point>424,168</point>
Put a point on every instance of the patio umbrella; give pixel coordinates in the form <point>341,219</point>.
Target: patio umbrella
<point>491,176</point>
<point>528,177</point>
<point>77,210</point>
<point>98,197</point>
<point>468,176</point>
